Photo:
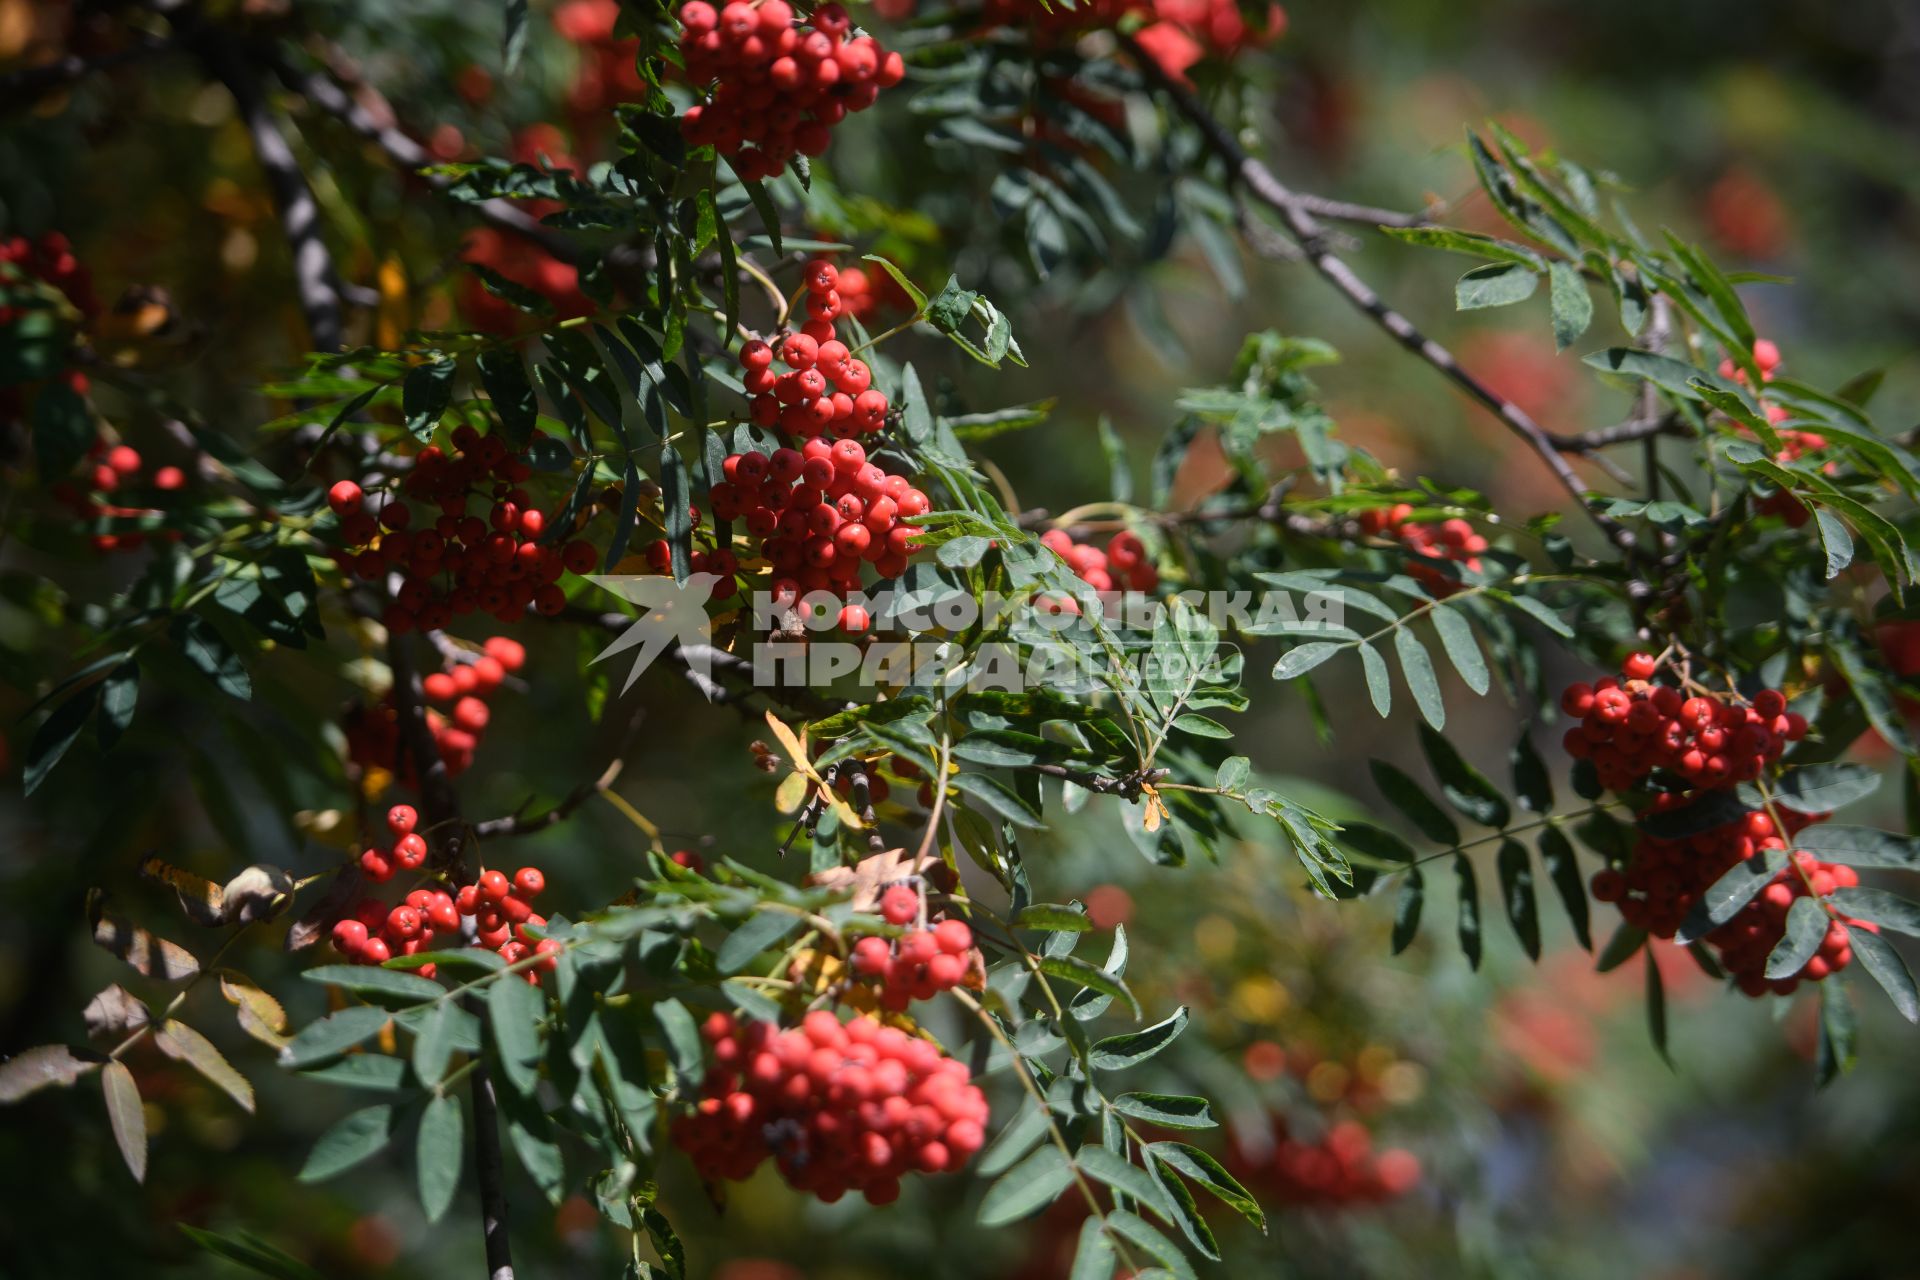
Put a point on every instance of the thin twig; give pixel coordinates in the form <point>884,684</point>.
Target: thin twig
<point>1310,233</point>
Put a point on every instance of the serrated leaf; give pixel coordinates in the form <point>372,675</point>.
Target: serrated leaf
<point>1463,786</point>
<point>334,1034</point>
<point>1028,1187</point>
<point>183,1044</point>
<point>127,1116</point>
<point>1516,892</point>
<point>1468,926</point>
<point>437,1154</point>
<point>756,934</point>
<point>1406,795</point>
<point>41,1067</point>
<point>1117,1053</point>
<point>1462,650</point>
<point>1879,958</point>
<point>1406,910</point>
<point>1166,1110</point>
<point>433,1043</point>
<point>355,1138</point>
<point>1498,284</point>
<point>1417,667</point>
<point>1556,851</point>
<point>210,653</point>
<point>1571,304</point>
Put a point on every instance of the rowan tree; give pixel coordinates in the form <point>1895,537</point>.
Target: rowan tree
<point>730,332</point>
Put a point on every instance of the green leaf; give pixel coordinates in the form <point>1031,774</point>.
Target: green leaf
<point>433,1043</point>
<point>1469,921</point>
<point>359,1136</point>
<point>1028,1129</point>
<point>1472,242</point>
<point>1125,1177</point>
<point>1456,638</point>
<point>1877,906</point>
<point>1822,788</point>
<point>1860,846</point>
<point>55,736</point>
<point>504,377</point>
<point>1806,927</point>
<point>334,1034</point>
<point>1621,947</point>
<point>1050,915</point>
<point>756,934</point>
<point>249,1251</point>
<point>1406,910</point>
<point>1839,1046</point>
<point>684,1046</point>
<point>900,278</point>
<point>126,1116</point>
<point>1406,795</point>
<point>1117,1053</point>
<point>999,799</point>
<point>437,1154</point>
<point>514,1009</point>
<point>119,696</point>
<point>1516,891</point>
<point>1303,658</point>
<point>1570,302</point>
<point>1207,1173</point>
<point>1027,1188</point>
<point>1463,786</point>
<point>209,651</point>
<point>425,394</point>
<point>1878,957</point>
<point>1144,1235</point>
<point>372,980</point>
<point>1733,890</point>
<point>1657,1008</point>
<point>1166,1110</point>
<point>1073,969</point>
<point>1379,686</point>
<point>1497,284</point>
<point>1093,1256</point>
<point>1418,669</point>
<point>1532,784</point>
<point>1556,851</point>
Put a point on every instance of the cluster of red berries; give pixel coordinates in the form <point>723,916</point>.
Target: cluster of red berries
<point>1336,1170</point>
<point>373,933</point>
<point>860,297</point>
<point>1631,726</point>
<point>922,963</point>
<point>117,469</point>
<point>779,84</point>
<point>461,563</point>
<point>462,687</point>
<point>1452,539</point>
<point>827,390</point>
<point>839,1107</point>
<point>51,261</point>
<point>1123,566</point>
<point>1663,880</point>
<point>519,259</point>
<point>819,512</point>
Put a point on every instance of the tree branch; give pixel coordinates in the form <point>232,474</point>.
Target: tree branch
<point>315,280</point>
<point>1305,227</point>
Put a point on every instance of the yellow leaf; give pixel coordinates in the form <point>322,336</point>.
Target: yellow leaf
<point>199,898</point>
<point>792,793</point>
<point>795,747</point>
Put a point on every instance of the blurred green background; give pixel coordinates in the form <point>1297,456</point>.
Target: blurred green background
<point>1552,1139</point>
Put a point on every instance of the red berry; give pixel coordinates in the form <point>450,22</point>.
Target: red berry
<point>899,905</point>
<point>401,819</point>
<point>528,882</point>
<point>494,885</point>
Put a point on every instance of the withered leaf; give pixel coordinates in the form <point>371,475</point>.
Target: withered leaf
<point>149,954</point>
<point>113,1014</point>
<point>199,897</point>
<point>41,1066</point>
